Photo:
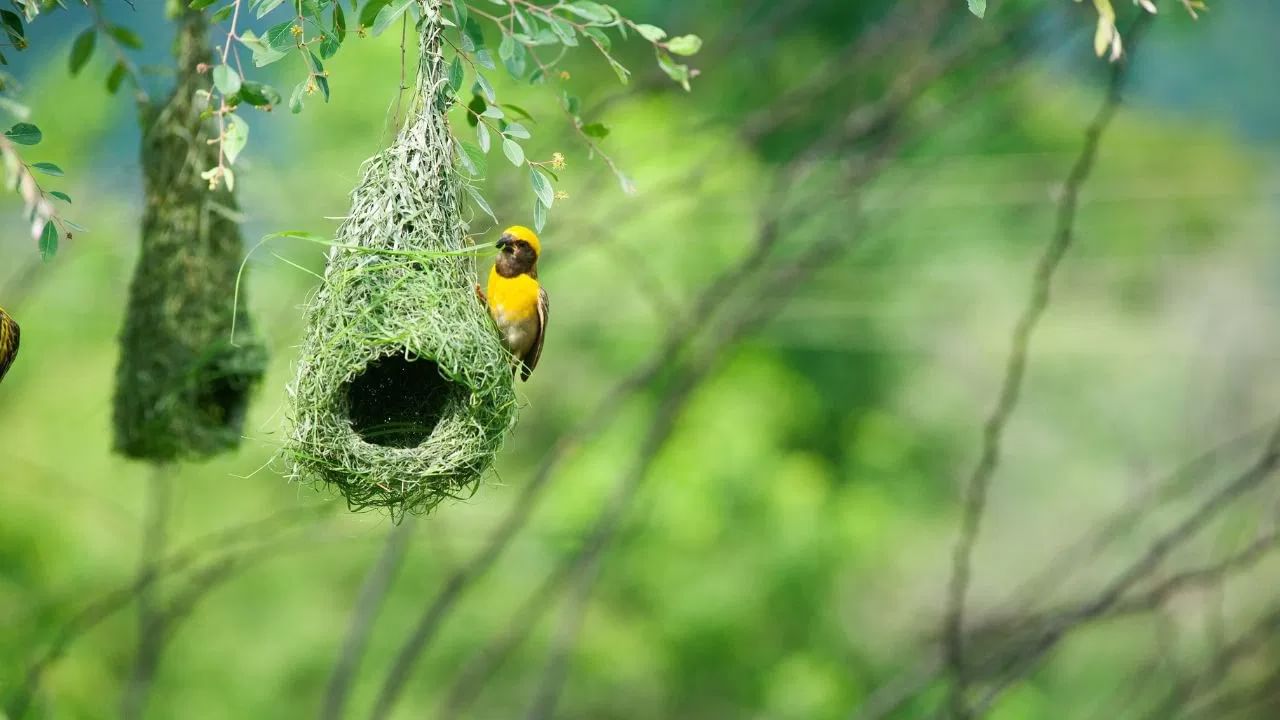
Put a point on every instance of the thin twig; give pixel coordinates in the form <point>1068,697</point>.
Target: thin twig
<point>1025,661</point>
<point>260,533</point>
<point>372,592</point>
<point>1184,695</point>
<point>890,696</point>
<point>151,625</point>
<point>976,488</point>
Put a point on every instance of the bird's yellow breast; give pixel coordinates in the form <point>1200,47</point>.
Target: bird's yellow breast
<point>514,298</point>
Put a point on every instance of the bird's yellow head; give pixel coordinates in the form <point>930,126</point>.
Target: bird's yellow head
<point>520,232</point>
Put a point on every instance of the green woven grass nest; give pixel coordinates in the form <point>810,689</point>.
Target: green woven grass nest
<point>183,383</point>
<point>403,394</point>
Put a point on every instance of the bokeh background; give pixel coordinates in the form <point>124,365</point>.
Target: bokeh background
<point>762,526</point>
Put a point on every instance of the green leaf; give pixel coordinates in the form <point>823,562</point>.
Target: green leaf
<point>322,80</point>
<point>598,35</point>
<point>267,6</point>
<point>483,84</point>
<point>673,69</point>
<point>460,12</point>
<point>259,94</point>
<point>263,53</point>
<point>339,22</point>
<point>295,99</point>
<point>61,196</point>
<point>472,159</point>
<point>369,13</point>
<point>200,4</point>
<point>222,13</point>
<point>24,134</point>
<point>529,26</point>
<point>82,49</point>
<point>475,107</point>
<point>519,111</point>
<point>493,111</point>
<point>595,12</point>
<point>513,151</point>
<point>48,168</point>
<point>484,59</point>
<point>116,77</point>
<point>48,241</point>
<point>539,216</point>
<point>237,135</point>
<point>685,45</point>
<point>329,46</point>
<point>516,130</point>
<point>978,7</point>
<point>389,14</point>
<point>652,33</point>
<point>623,73</point>
<point>482,137</point>
<point>125,37</point>
<point>455,74</point>
<point>565,31</point>
<point>512,54</point>
<point>542,187</point>
<point>545,36</point>
<point>472,35</point>
<point>226,79</point>
<point>280,37</point>
<point>479,200</point>
<point>13,26</point>
<point>595,130</point>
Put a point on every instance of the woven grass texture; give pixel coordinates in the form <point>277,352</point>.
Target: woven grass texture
<point>403,394</point>
<point>183,383</point>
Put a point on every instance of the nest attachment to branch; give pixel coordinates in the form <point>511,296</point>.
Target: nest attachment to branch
<point>183,382</point>
<point>403,393</point>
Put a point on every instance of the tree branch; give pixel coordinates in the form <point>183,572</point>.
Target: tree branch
<point>372,592</point>
<point>978,484</point>
<point>151,625</point>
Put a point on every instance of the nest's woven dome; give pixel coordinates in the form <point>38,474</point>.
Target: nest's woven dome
<point>403,393</point>
<point>183,382</point>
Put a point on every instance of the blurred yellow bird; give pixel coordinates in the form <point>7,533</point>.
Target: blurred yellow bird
<point>516,302</point>
<point>9,336</point>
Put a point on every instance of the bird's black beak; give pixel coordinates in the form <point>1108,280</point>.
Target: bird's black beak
<point>504,241</point>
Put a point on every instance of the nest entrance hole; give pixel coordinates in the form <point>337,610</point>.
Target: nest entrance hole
<point>397,402</point>
<point>224,398</point>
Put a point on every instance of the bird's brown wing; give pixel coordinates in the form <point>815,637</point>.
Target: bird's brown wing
<point>535,352</point>
<point>10,336</point>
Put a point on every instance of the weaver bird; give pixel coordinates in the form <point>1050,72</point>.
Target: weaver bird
<point>9,336</point>
<point>516,302</point>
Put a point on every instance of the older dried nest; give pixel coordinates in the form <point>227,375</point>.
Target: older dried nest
<point>183,382</point>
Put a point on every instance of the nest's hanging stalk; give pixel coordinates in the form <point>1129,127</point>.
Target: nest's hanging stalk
<point>184,382</point>
<point>403,393</point>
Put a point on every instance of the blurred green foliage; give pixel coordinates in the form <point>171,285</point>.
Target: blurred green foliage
<point>787,555</point>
